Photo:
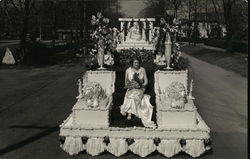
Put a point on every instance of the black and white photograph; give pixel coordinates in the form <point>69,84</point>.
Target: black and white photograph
<point>108,79</point>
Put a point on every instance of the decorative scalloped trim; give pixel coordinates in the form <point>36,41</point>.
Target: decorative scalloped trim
<point>176,110</point>
<point>101,127</point>
<point>141,147</point>
<point>148,137</point>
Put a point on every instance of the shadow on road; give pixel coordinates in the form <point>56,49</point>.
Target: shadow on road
<point>48,130</point>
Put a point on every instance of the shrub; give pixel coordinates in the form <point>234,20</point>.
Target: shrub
<point>237,45</point>
<point>186,39</point>
<point>38,54</point>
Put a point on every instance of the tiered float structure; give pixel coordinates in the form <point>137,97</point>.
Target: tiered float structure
<point>180,128</point>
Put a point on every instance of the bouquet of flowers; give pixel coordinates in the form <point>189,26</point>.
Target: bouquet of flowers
<point>132,85</point>
<point>136,83</point>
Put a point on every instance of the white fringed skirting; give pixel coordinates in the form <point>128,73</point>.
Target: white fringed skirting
<point>141,147</point>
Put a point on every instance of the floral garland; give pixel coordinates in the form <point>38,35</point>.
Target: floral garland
<point>145,55</point>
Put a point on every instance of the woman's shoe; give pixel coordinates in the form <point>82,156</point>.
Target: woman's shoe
<point>129,117</point>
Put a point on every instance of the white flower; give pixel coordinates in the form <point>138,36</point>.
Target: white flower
<point>99,15</point>
<point>106,20</point>
<point>93,22</point>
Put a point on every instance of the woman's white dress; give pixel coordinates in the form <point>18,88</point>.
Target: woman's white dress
<point>136,102</point>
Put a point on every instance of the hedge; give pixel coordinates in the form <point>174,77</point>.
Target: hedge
<point>237,46</point>
<point>186,39</point>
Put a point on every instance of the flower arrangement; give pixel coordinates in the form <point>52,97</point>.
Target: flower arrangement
<point>177,61</point>
<point>176,93</point>
<point>93,93</point>
<point>104,37</point>
<point>155,35</point>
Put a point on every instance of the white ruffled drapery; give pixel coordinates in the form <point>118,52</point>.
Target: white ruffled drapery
<point>95,146</point>
<point>117,147</point>
<point>141,147</point>
<point>73,145</point>
<point>194,147</point>
<point>169,148</point>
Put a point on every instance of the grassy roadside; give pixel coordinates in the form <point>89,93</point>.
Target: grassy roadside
<point>236,62</point>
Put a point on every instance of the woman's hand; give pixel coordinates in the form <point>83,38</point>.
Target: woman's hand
<point>132,85</point>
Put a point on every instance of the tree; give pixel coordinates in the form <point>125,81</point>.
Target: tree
<point>190,6</point>
<point>235,19</point>
<point>227,8</point>
<point>158,8</point>
<point>25,10</point>
<point>176,4</point>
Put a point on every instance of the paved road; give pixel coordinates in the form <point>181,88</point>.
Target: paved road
<point>221,98</point>
<point>33,102</point>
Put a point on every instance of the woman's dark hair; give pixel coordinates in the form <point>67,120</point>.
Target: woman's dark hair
<point>133,59</point>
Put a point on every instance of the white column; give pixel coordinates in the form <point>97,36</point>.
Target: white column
<point>150,30</point>
<point>143,31</point>
<point>122,30</point>
<point>129,22</point>
<point>122,23</point>
<point>127,37</point>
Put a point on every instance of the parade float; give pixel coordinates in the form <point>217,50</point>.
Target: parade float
<point>179,127</point>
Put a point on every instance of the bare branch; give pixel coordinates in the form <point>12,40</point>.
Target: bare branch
<point>15,6</point>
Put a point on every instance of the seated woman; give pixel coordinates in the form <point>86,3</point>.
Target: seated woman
<point>135,102</point>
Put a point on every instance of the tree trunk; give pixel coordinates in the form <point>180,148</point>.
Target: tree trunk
<point>189,22</point>
<point>228,21</point>
<point>85,28</point>
<point>23,38</point>
<point>54,28</point>
<point>176,9</point>
<point>81,24</point>
<point>195,23</point>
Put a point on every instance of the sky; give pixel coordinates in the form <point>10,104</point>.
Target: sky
<point>132,7</point>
